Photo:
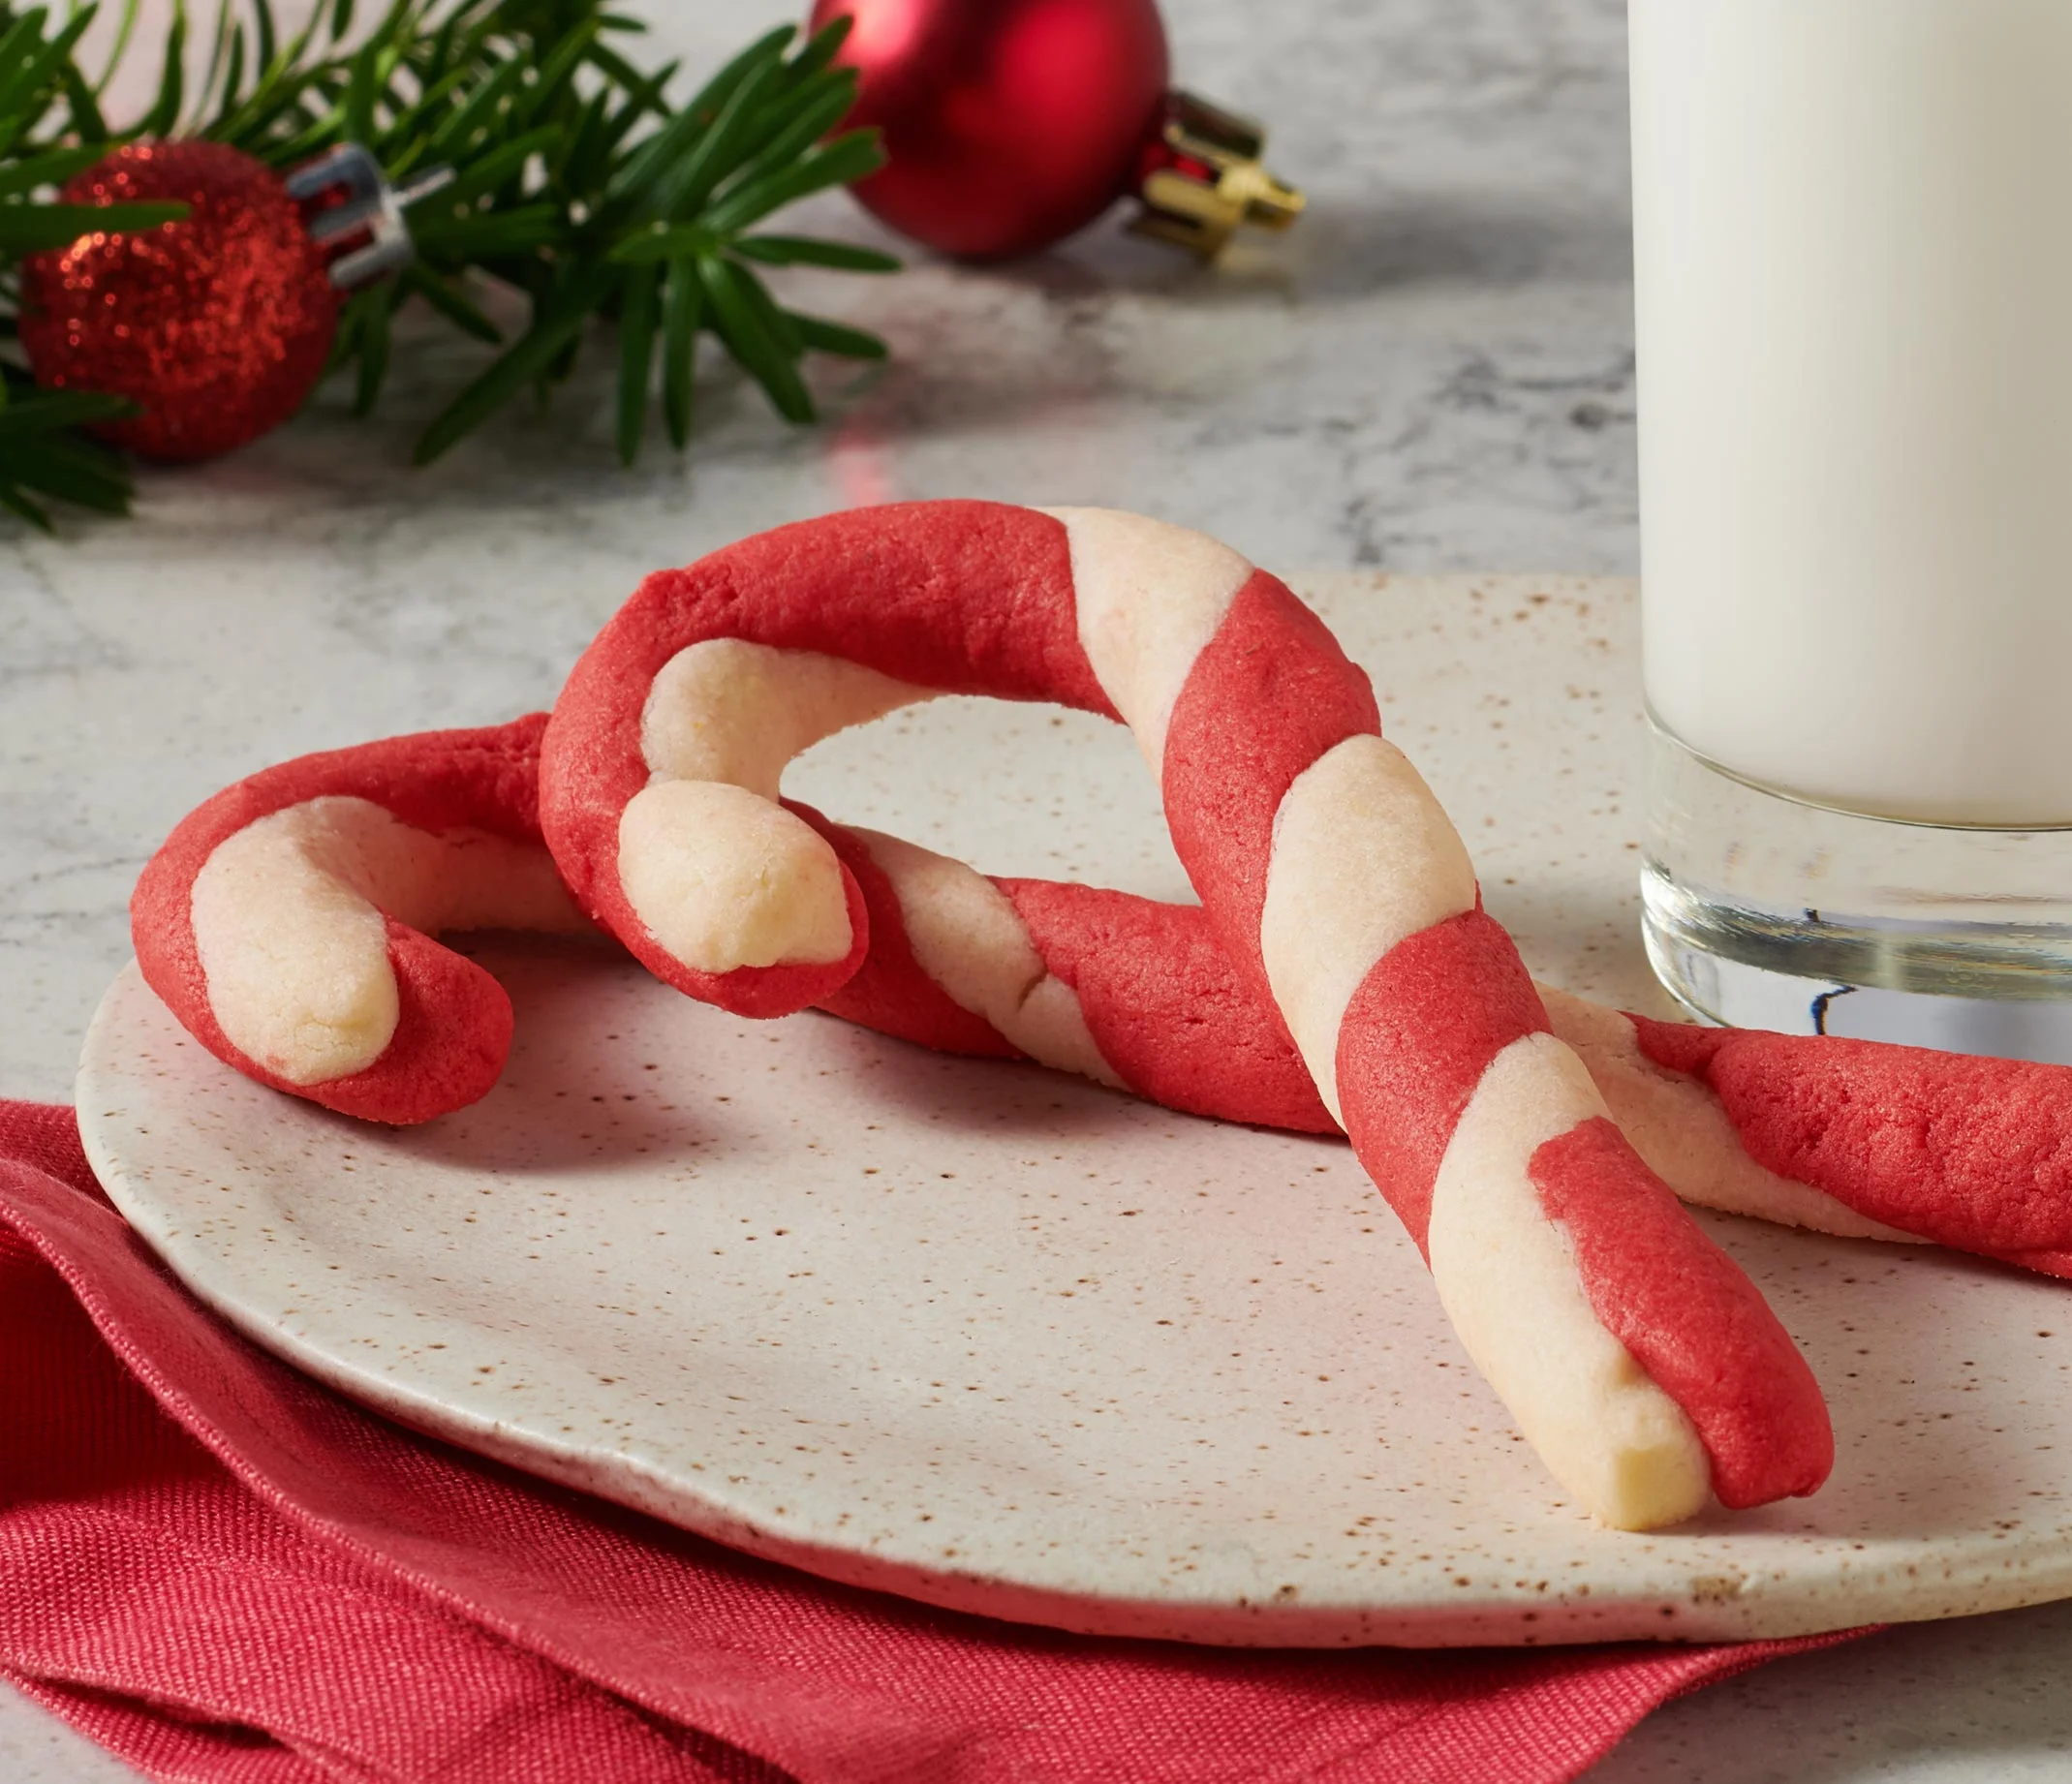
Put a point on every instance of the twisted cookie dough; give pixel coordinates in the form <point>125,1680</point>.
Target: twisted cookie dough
<point>287,922</point>
<point>1638,1361</point>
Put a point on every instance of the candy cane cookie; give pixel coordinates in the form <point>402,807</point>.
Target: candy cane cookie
<point>1640,1364</point>
<point>1851,1138</point>
<point>288,921</point>
<point>1973,1154</point>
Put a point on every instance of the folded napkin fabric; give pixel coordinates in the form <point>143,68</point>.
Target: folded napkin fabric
<point>227,1573</point>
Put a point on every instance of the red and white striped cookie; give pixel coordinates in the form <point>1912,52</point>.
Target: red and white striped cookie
<point>1640,1364</point>
<point>1853,1138</point>
<point>1973,1154</point>
<point>288,921</point>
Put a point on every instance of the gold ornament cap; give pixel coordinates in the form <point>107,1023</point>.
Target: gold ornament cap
<point>1205,176</point>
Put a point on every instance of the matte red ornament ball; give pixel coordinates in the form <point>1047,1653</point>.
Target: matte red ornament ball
<point>218,325</point>
<point>1009,123</point>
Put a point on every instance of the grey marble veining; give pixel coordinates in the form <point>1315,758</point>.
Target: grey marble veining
<point>1433,371</point>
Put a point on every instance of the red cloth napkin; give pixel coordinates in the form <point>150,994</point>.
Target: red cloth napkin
<point>226,1572</point>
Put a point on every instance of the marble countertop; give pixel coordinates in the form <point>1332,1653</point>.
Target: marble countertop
<point>1433,371</point>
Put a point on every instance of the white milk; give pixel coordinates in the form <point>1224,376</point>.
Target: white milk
<point>1853,228</point>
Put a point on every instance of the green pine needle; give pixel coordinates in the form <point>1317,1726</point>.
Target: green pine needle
<point>636,359</point>
<point>43,452</point>
<point>573,175</point>
<point>29,229</point>
<point>804,251</point>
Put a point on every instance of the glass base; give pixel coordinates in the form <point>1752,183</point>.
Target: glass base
<point>1763,911</point>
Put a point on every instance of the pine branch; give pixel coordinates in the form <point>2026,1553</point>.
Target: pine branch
<point>577,181</point>
<point>681,196</point>
<point>572,173</point>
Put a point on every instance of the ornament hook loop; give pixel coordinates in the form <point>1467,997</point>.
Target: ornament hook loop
<point>357,198</point>
<point>1205,178</point>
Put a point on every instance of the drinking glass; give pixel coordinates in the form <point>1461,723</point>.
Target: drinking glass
<point>1853,271</point>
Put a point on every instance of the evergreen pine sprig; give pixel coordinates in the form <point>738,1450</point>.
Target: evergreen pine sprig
<point>661,234</point>
<point>574,181</point>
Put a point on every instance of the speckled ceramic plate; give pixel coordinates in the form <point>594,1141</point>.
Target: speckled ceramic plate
<point>1005,1341</point>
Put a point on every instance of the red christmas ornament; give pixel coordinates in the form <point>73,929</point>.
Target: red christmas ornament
<point>218,325</point>
<point>1009,124</point>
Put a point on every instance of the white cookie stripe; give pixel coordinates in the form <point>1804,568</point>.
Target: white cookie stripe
<point>722,874</point>
<point>1149,597</point>
<point>1361,857</point>
<point>725,709</point>
<point>1507,1276</point>
<point>970,940</point>
<point>724,879</point>
<point>288,913</point>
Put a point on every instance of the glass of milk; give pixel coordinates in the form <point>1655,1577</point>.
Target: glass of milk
<point>1853,263</point>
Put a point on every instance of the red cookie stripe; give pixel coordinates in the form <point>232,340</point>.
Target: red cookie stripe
<point>1270,693</point>
<point>453,1034</point>
<point>1970,1152</point>
<point>1165,1007</point>
<point>1688,1315</point>
<point>2049,1263</point>
<point>485,779</point>
<point>1418,1034</point>
<point>1680,1046</point>
<point>967,596</point>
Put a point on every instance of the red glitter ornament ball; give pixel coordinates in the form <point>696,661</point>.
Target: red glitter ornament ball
<point>218,325</point>
<point>1008,123</point>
